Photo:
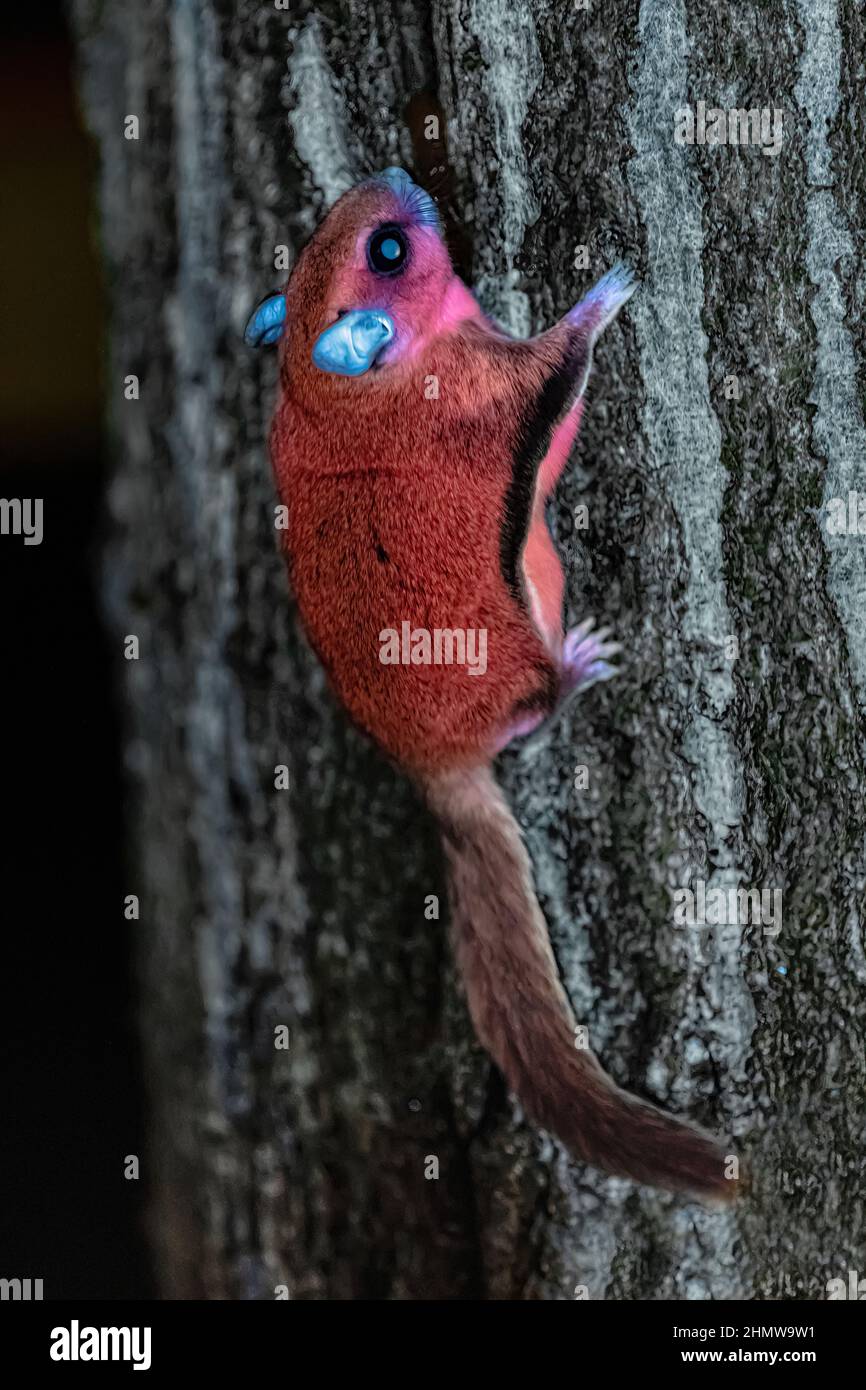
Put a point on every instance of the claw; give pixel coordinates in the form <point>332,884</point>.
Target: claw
<point>586,656</point>
<point>599,671</point>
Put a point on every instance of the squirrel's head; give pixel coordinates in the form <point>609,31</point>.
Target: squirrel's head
<point>372,288</point>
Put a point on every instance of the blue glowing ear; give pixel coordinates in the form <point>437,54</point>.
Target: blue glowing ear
<point>350,346</point>
<point>267,322</point>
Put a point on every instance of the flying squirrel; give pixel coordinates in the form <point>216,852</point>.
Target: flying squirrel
<point>414,445</point>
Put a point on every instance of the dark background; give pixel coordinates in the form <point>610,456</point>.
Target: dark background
<point>70,1085</point>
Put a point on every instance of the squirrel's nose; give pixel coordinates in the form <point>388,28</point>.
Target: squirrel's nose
<point>350,346</point>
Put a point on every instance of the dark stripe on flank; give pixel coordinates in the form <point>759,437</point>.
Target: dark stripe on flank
<point>543,415</point>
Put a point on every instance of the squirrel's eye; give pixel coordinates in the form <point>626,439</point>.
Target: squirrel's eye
<point>387,250</point>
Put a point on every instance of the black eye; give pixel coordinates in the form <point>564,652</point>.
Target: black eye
<point>387,250</point>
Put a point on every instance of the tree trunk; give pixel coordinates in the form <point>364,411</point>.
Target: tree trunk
<point>725,414</point>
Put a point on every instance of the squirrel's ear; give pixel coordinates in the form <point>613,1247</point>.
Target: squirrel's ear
<point>267,322</point>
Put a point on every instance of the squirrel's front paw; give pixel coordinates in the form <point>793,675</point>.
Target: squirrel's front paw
<point>586,656</point>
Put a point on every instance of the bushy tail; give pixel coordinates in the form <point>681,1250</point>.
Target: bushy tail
<point>522,1015</point>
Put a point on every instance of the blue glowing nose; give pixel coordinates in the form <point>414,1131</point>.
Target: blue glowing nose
<point>350,346</point>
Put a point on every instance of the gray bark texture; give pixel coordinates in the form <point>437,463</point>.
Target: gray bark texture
<point>736,762</point>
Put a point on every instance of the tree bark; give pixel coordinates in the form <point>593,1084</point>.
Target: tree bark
<point>725,414</point>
